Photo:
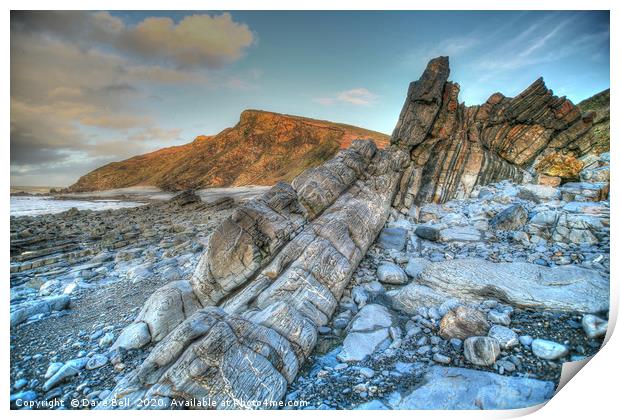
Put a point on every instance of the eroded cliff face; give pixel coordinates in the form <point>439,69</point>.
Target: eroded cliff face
<point>274,272</point>
<point>454,147</point>
<point>261,149</point>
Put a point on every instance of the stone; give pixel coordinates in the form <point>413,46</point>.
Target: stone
<point>96,361</point>
<point>566,288</point>
<point>451,388</point>
<point>411,298</point>
<point>564,166</point>
<point>549,350</point>
<point>539,193</point>
<point>600,174</point>
<point>552,181</point>
<point>506,337</point>
<point>594,326</point>
<point>415,266</point>
<point>481,351</point>
<point>43,306</point>
<point>391,274</point>
<point>135,336</point>
<point>369,332</point>
<point>106,340</point>
<point>440,358</point>
<point>463,322</point>
<point>511,218</point>
<point>393,238</point>
<point>68,370</point>
<point>52,369</point>
<point>461,234</point>
<point>427,232</point>
<point>526,340</point>
<point>497,317</point>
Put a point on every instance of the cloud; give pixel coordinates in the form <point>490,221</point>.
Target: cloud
<point>82,83</point>
<point>196,40</point>
<point>357,96</point>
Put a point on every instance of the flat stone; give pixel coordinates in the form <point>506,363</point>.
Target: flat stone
<point>461,234</point>
<point>549,350</point>
<point>369,332</point>
<point>566,288</point>
<point>500,318</point>
<point>481,351</point>
<point>391,274</point>
<point>450,388</point>
<point>96,361</point>
<point>69,369</point>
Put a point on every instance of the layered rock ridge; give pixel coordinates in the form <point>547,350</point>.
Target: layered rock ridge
<point>454,147</point>
<point>277,268</point>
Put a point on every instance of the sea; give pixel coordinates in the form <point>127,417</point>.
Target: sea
<point>35,206</point>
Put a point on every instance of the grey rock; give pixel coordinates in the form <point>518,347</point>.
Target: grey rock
<point>594,326</point>
<point>481,351</point>
<point>369,332</point>
<point>500,318</point>
<point>415,266</point>
<point>391,274</point>
<point>42,306</point>
<point>461,234</point>
<point>440,358</point>
<point>393,238</point>
<point>449,388</point>
<point>511,218</point>
<point>549,350</point>
<point>427,232</point>
<point>565,288</point>
<point>135,336</point>
<point>539,193</point>
<point>68,370</point>
<point>506,337</point>
<point>96,361</point>
<point>526,340</point>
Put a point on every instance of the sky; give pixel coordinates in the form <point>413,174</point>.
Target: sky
<point>89,88</point>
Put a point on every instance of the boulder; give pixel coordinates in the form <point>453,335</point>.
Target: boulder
<point>539,193</point>
<point>463,322</point>
<point>450,388</point>
<point>391,274</point>
<point>511,218</point>
<point>564,166</point>
<point>481,351</point>
<point>415,266</point>
<point>566,288</point>
<point>461,234</point>
<point>427,232</point>
<point>368,332</point>
<point>393,238</point>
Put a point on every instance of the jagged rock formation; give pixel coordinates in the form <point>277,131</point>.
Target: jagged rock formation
<point>455,147</point>
<point>262,149</point>
<point>274,271</point>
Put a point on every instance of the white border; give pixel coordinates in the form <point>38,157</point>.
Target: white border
<point>592,394</point>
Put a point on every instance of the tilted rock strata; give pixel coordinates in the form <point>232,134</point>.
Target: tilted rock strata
<point>273,304</point>
<point>454,147</point>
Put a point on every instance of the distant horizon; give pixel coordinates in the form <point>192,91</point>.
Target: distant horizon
<point>121,84</point>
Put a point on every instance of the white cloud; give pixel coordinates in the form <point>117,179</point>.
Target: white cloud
<point>357,96</point>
